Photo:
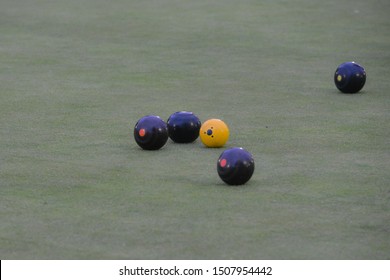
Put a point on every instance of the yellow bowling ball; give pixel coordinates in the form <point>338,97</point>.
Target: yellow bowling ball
<point>214,133</point>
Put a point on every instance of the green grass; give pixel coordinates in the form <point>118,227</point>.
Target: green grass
<point>75,76</point>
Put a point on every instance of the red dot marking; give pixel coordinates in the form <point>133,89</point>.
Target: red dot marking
<point>142,132</point>
<point>223,162</point>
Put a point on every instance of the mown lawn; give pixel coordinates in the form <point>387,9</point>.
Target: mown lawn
<point>75,76</point>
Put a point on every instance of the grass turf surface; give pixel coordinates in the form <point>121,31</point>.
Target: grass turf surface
<point>75,76</point>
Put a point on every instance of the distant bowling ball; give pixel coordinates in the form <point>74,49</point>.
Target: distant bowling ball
<point>183,127</point>
<point>235,166</point>
<point>150,132</point>
<point>350,77</point>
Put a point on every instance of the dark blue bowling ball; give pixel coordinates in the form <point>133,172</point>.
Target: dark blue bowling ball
<point>151,132</point>
<point>235,166</point>
<point>350,77</point>
<point>183,127</point>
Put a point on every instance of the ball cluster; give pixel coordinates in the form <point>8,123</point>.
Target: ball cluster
<point>152,133</point>
<point>235,166</point>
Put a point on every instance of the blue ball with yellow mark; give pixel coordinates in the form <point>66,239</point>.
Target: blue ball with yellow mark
<point>235,166</point>
<point>151,132</point>
<point>350,77</point>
